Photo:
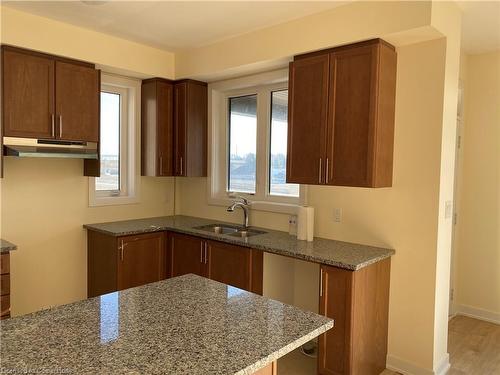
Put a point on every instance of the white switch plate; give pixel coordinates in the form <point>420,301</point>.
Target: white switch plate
<point>338,215</point>
<point>292,225</point>
<point>448,209</point>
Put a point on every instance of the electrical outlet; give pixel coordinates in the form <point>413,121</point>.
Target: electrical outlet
<point>292,225</point>
<point>338,215</point>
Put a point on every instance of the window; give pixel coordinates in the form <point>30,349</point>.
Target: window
<point>242,144</point>
<point>249,143</point>
<point>111,107</point>
<point>278,140</point>
<point>119,126</point>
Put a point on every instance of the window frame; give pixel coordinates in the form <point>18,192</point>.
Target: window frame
<point>219,93</point>
<point>129,89</point>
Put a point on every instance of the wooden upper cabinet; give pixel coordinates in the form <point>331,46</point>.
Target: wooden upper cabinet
<point>48,97</point>
<point>141,260</point>
<point>157,128</point>
<point>28,95</point>
<point>356,147</point>
<point>308,103</point>
<point>186,255</point>
<point>77,102</point>
<point>190,128</point>
<point>230,264</point>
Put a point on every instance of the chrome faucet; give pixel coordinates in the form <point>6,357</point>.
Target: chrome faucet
<point>244,204</point>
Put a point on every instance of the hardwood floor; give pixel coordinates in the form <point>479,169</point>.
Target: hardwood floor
<point>474,347</point>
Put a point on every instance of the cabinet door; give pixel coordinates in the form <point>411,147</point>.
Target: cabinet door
<point>308,103</point>
<point>190,122</point>
<point>335,303</point>
<point>230,264</point>
<point>28,95</point>
<point>165,131</point>
<point>187,255</point>
<point>351,131</point>
<point>77,102</point>
<point>141,260</point>
<point>180,119</point>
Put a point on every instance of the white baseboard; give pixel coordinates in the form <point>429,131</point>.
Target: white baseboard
<point>408,368</point>
<point>481,314</point>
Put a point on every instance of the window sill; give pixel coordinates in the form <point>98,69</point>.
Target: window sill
<point>112,201</point>
<point>281,208</point>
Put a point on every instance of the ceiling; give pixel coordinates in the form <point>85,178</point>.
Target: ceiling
<point>480,26</point>
<point>174,25</point>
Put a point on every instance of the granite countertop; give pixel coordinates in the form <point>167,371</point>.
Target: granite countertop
<point>345,255</point>
<point>184,325</point>
<point>6,246</point>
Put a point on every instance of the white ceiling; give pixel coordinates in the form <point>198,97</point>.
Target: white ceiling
<point>174,25</point>
<point>480,26</point>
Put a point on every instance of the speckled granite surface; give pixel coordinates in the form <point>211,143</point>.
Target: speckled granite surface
<point>334,253</point>
<point>6,246</point>
<point>185,325</point>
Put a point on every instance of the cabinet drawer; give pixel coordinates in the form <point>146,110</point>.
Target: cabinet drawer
<point>5,305</point>
<point>4,263</point>
<point>5,284</point>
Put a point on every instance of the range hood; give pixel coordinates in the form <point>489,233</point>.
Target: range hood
<point>49,148</point>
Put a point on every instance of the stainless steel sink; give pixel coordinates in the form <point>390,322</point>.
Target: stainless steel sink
<point>231,230</point>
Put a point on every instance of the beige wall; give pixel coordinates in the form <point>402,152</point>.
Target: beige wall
<point>45,201</point>
<point>477,239</point>
<point>111,53</point>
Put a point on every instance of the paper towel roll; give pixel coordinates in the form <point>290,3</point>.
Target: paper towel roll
<point>305,225</point>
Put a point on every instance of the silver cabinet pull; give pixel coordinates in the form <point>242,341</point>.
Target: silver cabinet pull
<point>321,282</point>
<point>60,126</point>
<point>326,172</point>
<point>206,253</point>
<point>53,120</point>
<point>201,252</point>
<point>320,170</point>
<point>121,250</point>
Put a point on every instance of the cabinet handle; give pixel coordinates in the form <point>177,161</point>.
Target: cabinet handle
<point>321,282</point>
<point>320,170</point>
<point>121,250</point>
<point>161,165</point>
<point>201,252</point>
<point>60,126</point>
<point>326,172</point>
<point>53,120</point>
<point>206,253</point>
<point>182,169</point>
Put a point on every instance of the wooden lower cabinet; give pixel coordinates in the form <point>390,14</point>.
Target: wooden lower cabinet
<point>236,266</point>
<point>4,286</point>
<point>229,264</point>
<point>358,301</point>
<point>117,263</point>
<point>186,255</point>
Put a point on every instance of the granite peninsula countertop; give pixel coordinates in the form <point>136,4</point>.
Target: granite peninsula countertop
<point>184,325</point>
<point>345,255</point>
<point>6,246</point>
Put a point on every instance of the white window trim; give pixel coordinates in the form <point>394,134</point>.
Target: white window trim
<point>129,144</point>
<point>218,94</point>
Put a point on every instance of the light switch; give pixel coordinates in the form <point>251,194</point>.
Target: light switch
<point>448,209</point>
<point>338,215</point>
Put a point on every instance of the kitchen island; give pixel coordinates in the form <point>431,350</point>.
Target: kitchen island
<point>183,325</point>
